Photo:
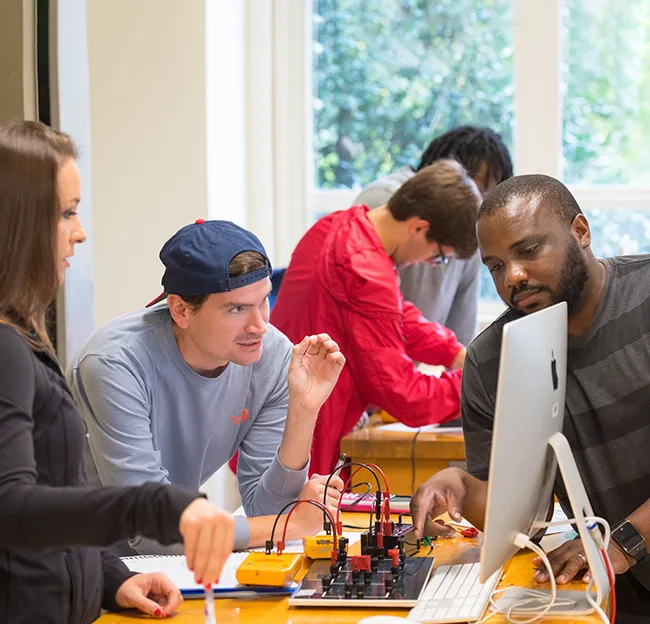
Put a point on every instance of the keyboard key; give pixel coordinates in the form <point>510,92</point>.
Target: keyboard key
<point>458,582</point>
<point>454,594</point>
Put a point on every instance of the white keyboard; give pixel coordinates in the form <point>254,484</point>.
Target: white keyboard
<point>454,594</point>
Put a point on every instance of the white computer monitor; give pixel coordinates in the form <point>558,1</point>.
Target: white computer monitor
<point>527,442</point>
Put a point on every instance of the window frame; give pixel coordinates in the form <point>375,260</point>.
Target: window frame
<point>538,110</point>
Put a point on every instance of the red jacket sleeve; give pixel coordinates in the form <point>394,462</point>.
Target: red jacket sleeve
<point>426,342</point>
<point>387,377</point>
<point>378,340</point>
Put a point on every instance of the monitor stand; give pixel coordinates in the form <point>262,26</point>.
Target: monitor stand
<point>581,508</point>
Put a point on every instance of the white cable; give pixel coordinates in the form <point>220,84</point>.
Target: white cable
<point>602,543</point>
<point>596,607</point>
<point>534,596</point>
<point>588,519</point>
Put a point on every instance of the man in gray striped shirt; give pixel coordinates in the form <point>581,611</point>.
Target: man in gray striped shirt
<point>535,241</point>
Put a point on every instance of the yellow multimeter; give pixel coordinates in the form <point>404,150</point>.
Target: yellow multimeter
<point>272,569</point>
<point>318,546</point>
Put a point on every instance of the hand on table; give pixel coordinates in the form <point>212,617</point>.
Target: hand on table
<point>569,559</point>
<point>314,489</point>
<point>154,594</point>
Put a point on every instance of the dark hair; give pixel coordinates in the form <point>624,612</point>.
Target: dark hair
<point>31,154</point>
<point>243,263</point>
<point>444,195</point>
<point>471,146</point>
<point>554,194</point>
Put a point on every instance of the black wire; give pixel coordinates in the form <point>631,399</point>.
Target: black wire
<point>352,526</point>
<point>415,437</point>
<point>275,523</point>
<point>327,483</point>
<point>361,496</point>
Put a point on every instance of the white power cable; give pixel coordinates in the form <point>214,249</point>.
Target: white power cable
<point>588,519</point>
<point>596,607</point>
<point>532,596</point>
<point>535,596</point>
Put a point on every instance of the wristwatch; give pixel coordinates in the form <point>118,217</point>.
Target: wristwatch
<point>630,540</point>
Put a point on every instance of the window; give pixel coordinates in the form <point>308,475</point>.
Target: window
<point>563,81</point>
<point>620,231</point>
<point>606,78</point>
<point>390,75</point>
<point>606,120</point>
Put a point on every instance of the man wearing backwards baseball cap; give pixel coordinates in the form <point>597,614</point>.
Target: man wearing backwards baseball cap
<point>169,392</point>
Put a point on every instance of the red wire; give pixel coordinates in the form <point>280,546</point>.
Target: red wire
<point>381,472</point>
<point>610,576</point>
<point>378,469</point>
<point>325,509</point>
<point>383,476</point>
<point>386,510</point>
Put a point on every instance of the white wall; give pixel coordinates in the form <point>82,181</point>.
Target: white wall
<point>159,160</point>
<point>148,131</point>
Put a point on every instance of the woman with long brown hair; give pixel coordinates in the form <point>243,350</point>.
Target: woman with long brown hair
<point>52,569</point>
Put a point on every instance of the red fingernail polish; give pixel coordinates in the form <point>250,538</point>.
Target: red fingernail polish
<point>199,582</point>
<point>158,612</point>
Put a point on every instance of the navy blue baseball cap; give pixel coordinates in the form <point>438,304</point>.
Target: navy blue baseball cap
<point>197,258</point>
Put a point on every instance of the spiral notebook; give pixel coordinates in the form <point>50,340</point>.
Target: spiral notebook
<point>175,567</point>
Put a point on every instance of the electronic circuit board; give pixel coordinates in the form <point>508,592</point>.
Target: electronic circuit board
<point>383,587</point>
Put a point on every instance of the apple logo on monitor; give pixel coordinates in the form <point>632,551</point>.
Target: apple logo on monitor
<point>554,371</point>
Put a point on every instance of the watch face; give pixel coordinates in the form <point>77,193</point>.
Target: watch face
<point>630,540</point>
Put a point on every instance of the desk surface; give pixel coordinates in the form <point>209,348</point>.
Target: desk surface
<point>519,571</point>
<point>377,442</point>
<point>407,461</point>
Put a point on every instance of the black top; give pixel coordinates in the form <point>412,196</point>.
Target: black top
<point>51,524</point>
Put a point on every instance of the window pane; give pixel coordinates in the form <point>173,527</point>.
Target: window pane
<point>488,290</point>
<point>606,83</point>
<point>613,233</point>
<point>619,232</point>
<point>390,75</point>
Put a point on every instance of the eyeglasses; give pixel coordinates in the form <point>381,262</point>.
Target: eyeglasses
<point>440,259</point>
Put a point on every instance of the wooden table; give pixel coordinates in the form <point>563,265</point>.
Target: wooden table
<point>519,571</point>
<point>395,454</point>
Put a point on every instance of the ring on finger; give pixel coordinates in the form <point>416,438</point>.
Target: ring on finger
<point>584,561</point>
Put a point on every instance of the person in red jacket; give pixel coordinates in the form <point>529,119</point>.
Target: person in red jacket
<point>342,279</point>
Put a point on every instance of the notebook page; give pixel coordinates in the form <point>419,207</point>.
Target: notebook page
<point>175,567</point>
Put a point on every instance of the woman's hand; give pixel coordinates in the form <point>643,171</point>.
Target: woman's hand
<point>153,593</point>
<point>208,534</point>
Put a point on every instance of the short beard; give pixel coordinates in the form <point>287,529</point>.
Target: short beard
<point>573,279</point>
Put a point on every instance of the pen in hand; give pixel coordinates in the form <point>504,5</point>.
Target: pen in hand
<point>210,617</point>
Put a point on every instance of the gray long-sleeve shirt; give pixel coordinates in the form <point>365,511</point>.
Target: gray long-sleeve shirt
<point>444,294</point>
<point>150,417</point>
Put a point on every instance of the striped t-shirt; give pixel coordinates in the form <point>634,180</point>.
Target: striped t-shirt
<point>607,411</point>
